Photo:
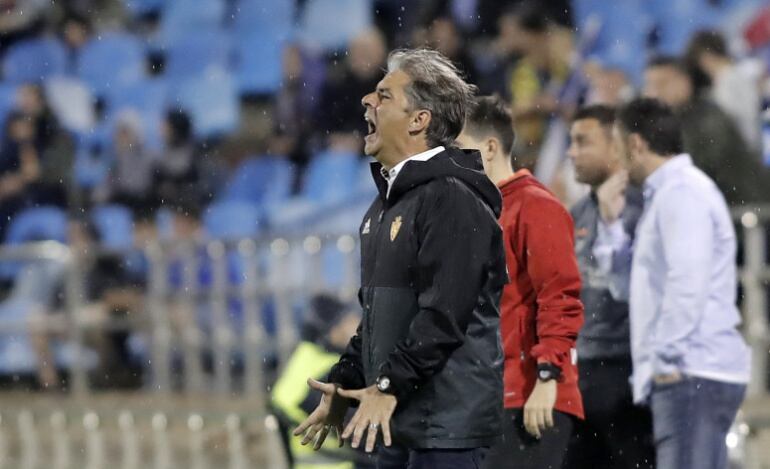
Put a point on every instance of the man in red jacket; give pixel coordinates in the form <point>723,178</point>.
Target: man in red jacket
<point>541,312</point>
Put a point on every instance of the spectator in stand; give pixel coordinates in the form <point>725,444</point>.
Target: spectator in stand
<point>690,362</point>
<point>131,175</point>
<point>339,112</point>
<point>20,19</point>
<point>531,80</point>
<point>176,174</point>
<point>112,296</point>
<point>53,144</point>
<point>735,85</point>
<point>19,167</point>
<point>75,31</point>
<point>292,105</point>
<point>608,84</point>
<point>710,136</point>
<point>615,433</point>
<point>444,36</point>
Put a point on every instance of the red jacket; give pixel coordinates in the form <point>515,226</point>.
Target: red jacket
<point>540,311</point>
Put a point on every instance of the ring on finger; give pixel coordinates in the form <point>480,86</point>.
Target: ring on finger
<point>374,426</point>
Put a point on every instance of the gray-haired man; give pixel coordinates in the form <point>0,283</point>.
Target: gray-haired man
<point>425,366</point>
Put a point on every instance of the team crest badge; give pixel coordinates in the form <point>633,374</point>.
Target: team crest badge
<point>367,226</point>
<point>394,227</point>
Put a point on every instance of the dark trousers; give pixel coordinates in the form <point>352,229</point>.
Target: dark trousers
<point>398,457</point>
<point>691,420</point>
<point>520,450</point>
<point>616,434</point>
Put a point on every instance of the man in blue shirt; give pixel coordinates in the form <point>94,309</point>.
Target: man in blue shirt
<point>690,362</point>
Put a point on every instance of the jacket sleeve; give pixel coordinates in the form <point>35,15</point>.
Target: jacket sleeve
<point>546,242</point>
<point>456,245</point>
<point>349,370</point>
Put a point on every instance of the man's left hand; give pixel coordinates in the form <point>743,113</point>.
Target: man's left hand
<point>374,411</point>
<point>538,411</point>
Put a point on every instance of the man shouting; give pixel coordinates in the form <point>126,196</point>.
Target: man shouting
<point>425,367</point>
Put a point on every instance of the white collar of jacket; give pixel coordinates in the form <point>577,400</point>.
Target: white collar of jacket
<point>391,174</point>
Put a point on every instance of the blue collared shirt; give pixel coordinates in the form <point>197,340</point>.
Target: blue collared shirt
<point>683,282</point>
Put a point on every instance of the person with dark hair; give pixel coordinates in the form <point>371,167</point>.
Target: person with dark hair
<point>176,174</point>
<point>532,64</point>
<point>708,134</point>
<point>19,166</point>
<point>425,365</point>
<point>540,311</point>
<point>615,433</point>
<point>735,85</point>
<point>690,362</point>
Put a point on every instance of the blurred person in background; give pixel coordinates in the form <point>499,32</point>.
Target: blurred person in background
<point>615,433</point>
<point>735,85</point>
<point>19,166</point>
<point>432,270</point>
<point>690,362</point>
<point>535,60</point>
<point>20,19</point>
<point>339,110</point>
<point>130,177</point>
<point>444,36</point>
<point>176,173</point>
<point>75,31</point>
<point>293,106</point>
<point>53,144</point>
<point>709,135</point>
<point>327,329</point>
<point>608,83</point>
<point>113,300</point>
<point>540,310</point>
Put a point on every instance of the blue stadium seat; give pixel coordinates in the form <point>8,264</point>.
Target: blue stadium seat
<point>231,220</point>
<point>149,97</point>
<point>258,63</point>
<point>272,17</point>
<point>181,18</point>
<point>115,226</point>
<point>195,53</point>
<point>261,180</point>
<point>111,61</point>
<point>677,20</point>
<point>34,60</point>
<point>330,24</point>
<point>331,176</point>
<point>39,223</point>
<point>92,163</point>
<point>7,103</point>
<point>212,103</point>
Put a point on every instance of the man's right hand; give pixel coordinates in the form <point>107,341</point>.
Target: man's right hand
<point>329,415</point>
<point>612,196</point>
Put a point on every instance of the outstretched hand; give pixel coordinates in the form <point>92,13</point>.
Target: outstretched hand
<point>328,416</point>
<point>374,411</point>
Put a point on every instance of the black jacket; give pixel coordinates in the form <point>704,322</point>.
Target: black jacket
<point>432,271</point>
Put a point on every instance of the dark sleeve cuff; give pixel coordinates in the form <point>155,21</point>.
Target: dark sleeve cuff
<point>347,375</point>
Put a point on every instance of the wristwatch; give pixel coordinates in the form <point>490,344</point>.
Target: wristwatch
<point>383,384</point>
<point>548,371</point>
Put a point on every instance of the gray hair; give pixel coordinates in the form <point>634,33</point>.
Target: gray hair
<point>437,86</point>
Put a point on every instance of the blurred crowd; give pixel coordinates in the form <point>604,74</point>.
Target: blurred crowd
<point>134,120</point>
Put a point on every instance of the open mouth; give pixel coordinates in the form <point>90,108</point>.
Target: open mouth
<point>371,126</point>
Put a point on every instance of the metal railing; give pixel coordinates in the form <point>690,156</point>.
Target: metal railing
<point>189,401</point>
